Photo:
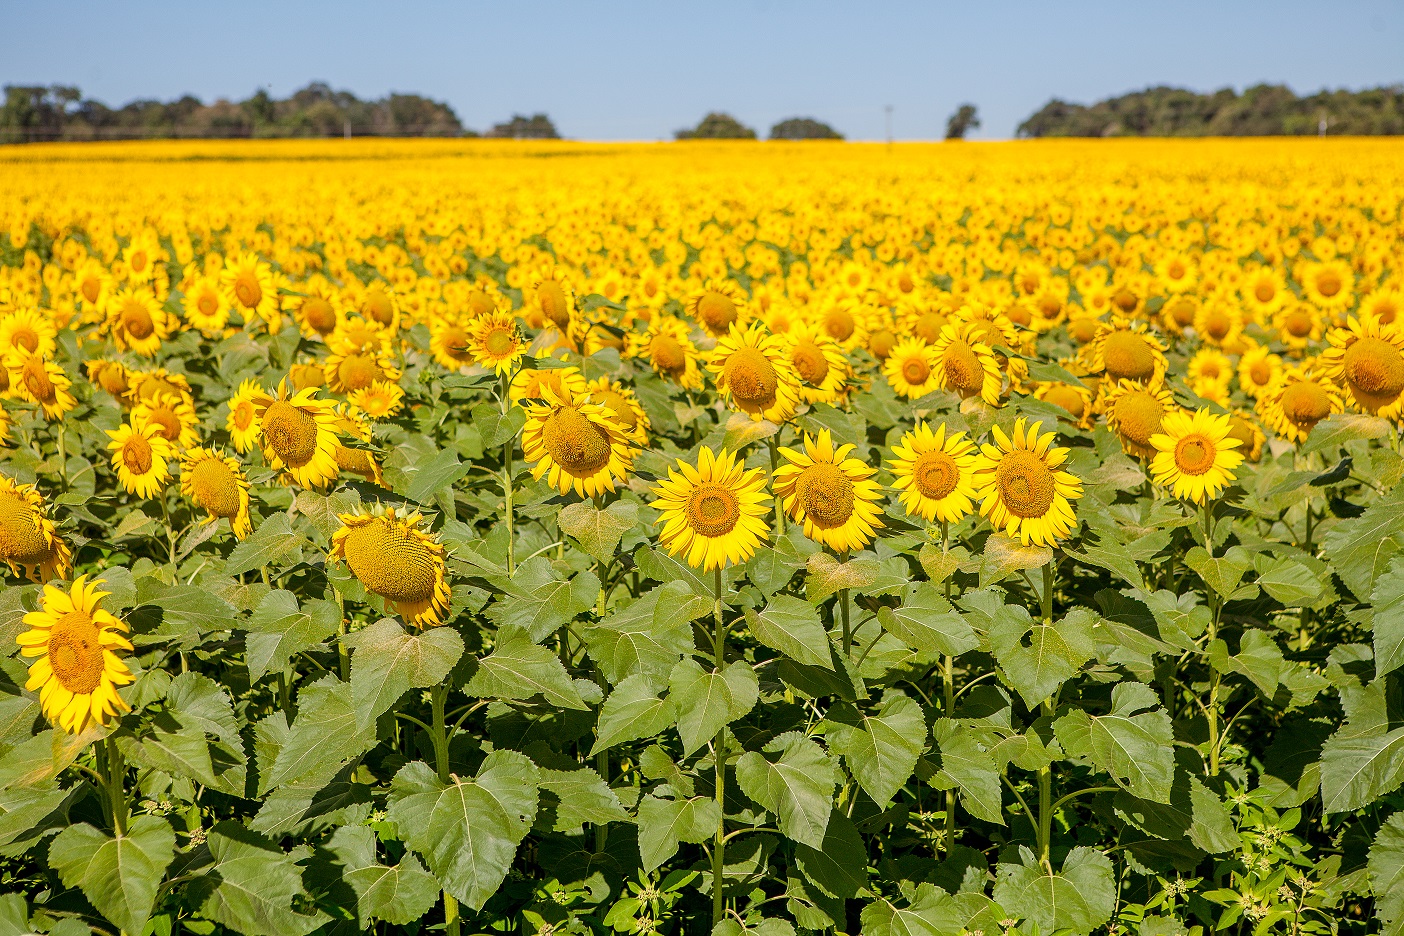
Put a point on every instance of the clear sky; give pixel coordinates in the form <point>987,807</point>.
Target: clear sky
<point>639,70</point>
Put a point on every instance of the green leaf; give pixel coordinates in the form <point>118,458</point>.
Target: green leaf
<point>186,609</point>
<point>1077,900</point>
<point>646,637</point>
<point>665,823</point>
<point>322,509</point>
<point>793,778</point>
<point>425,478</point>
<point>467,831</point>
<point>706,701</point>
<point>252,884</point>
<point>598,531</point>
<point>1335,431</point>
<point>632,711</point>
<point>197,736</point>
<point>1260,659</point>
<point>325,734</point>
<point>1003,556</point>
<point>926,622</point>
<point>1288,581</point>
<point>279,629</point>
<point>118,875</point>
<point>965,766</point>
<point>932,912</point>
<point>497,427</point>
<point>273,541</point>
<point>1387,874</point>
<point>772,567</point>
<point>1356,771</point>
<point>520,669</point>
<point>581,796</point>
<point>881,750</point>
<point>1135,747</point>
<point>1388,621</point>
<point>1112,556</point>
<point>1037,658</point>
<point>826,575</point>
<point>387,662</point>
<point>398,895</point>
<point>1221,573</point>
<point>839,869</point>
<point>792,627</point>
<point>546,602</point>
<point>1360,548</point>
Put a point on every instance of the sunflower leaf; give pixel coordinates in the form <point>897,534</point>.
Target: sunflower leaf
<point>121,875</point>
<point>387,662</point>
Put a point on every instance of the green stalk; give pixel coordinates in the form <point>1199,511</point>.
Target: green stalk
<point>116,777</point>
<point>507,481</point>
<point>948,680</point>
<point>719,756</point>
<point>439,738</point>
<point>343,655</point>
<point>1045,774</point>
<point>774,443</point>
<point>1212,707</point>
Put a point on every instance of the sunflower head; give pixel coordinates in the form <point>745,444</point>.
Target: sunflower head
<point>216,485</point>
<point>74,642</point>
<point>29,542</point>
<point>828,492</point>
<point>1135,413</point>
<point>1366,360</point>
<point>1195,455</point>
<point>717,307</point>
<point>495,341</point>
<point>754,374</point>
<point>1022,488</point>
<point>713,512</point>
<point>299,435</point>
<point>934,473</point>
<point>140,456</point>
<point>966,365</point>
<point>393,558</point>
<point>576,443</point>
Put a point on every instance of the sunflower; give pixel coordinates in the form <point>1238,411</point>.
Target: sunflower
<point>306,375</point>
<point>1021,489</point>
<point>1298,400</point>
<point>1178,313</point>
<point>935,473</point>
<point>206,307</point>
<point>357,334</point>
<point>1244,428</point>
<point>819,361</point>
<point>299,435</point>
<point>396,560</point>
<point>361,462</point>
<point>242,421</point>
<point>576,444</point>
<point>1218,323</point>
<point>545,383</point>
<point>831,494</point>
<point>911,369</point>
<point>140,456</point>
<point>1298,325</point>
<point>624,406</point>
<point>1257,369</point>
<point>966,365</point>
<point>248,282</point>
<point>29,542</point>
<point>1263,292</point>
<point>1384,305</point>
<point>357,370</point>
<point>91,283</point>
<point>377,302</point>
<point>1329,284</point>
<point>921,319</point>
<point>137,322</point>
<point>1135,414</point>
<point>754,375</point>
<point>174,419</point>
<point>1075,398</point>
<point>1176,273</point>
<point>1127,351</point>
<point>1195,455</point>
<point>76,668</point>
<point>216,484</point>
<point>718,307</point>
<point>318,310</point>
<point>43,383</point>
<point>550,300</point>
<point>845,321</point>
<point>143,256</point>
<point>381,400</point>
<point>669,351</point>
<point>496,342</point>
<point>1366,360</point>
<point>1209,373</point>
<point>26,332</point>
<point>147,386</point>
<point>714,513</point>
<point>451,344</point>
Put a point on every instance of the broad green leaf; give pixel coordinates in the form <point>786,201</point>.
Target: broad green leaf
<point>1037,658</point>
<point>387,662</point>
<point>272,542</point>
<point>794,779</point>
<point>427,477</point>
<point>1357,771</point>
<point>118,875</point>
<point>1335,431</point>
<point>932,912</point>
<point>1359,549</point>
<point>1222,573</point>
<point>325,734</point>
<point>1387,874</point>
<point>496,426</point>
<point>546,602</point>
<point>1076,900</point>
<point>665,823</point>
<point>520,669</point>
<point>467,831</point>
<point>632,711</point>
<point>580,796</point>
<point>1112,556</point>
<point>772,567</point>
<point>1135,747</point>
<point>839,868</point>
<point>826,575</point>
<point>881,749</point>
<point>197,736</point>
<point>706,701</point>
<point>398,895</point>
<point>926,622</point>
<point>186,609</point>
<point>969,769</point>
<point>598,531</point>
<point>639,640</point>
<point>792,627</point>
<point>940,564</point>
<point>279,629</point>
<point>251,885</point>
<point>1194,814</point>
<point>1260,659</point>
<point>1003,556</point>
<point>1288,581</point>
<point>1388,620</point>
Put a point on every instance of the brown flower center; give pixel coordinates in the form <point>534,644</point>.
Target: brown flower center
<point>554,304</point>
<point>1374,368</point>
<point>712,510</point>
<point>378,307</point>
<point>36,380</point>
<point>137,455</point>
<point>1264,291</point>
<point>964,372</point>
<point>935,474</point>
<point>1299,323</point>
<point>319,314</point>
<point>1138,416</point>
<point>1068,398</point>
<point>291,433</point>
<point>667,355</point>
<point>623,413</point>
<point>825,495</point>
<point>20,538</point>
<point>811,363</point>
<point>1305,404</point>
<point>1328,283</point>
<point>1128,356</point>
<point>215,487</point>
<point>390,561</point>
<point>248,290</point>
<point>717,311</point>
<point>839,324</point>
<point>1025,483</point>
<point>574,442</point>
<point>751,376</point>
<point>500,342</point>
<point>358,371</point>
<point>75,653</point>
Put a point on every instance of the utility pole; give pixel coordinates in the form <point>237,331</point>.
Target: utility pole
<point>346,127</point>
<point>888,109</point>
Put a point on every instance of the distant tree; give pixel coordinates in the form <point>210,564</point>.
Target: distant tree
<point>803,128</point>
<point>717,126</point>
<point>535,127</point>
<point>965,119</point>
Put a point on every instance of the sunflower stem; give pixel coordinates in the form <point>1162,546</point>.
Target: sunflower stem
<point>63,455</point>
<point>1048,592</point>
<point>1045,804</point>
<point>719,755</point>
<point>116,794</point>
<point>774,444</point>
<point>438,736</point>
<point>1211,708</point>
<point>451,922</point>
<point>507,483</point>
<point>343,656</point>
<point>948,682</point>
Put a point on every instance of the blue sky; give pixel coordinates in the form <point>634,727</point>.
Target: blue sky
<point>626,70</point>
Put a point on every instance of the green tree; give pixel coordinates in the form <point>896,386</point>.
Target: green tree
<point>965,119</point>
<point>717,126</point>
<point>803,128</point>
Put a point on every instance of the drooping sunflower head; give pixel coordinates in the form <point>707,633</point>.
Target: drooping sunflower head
<point>396,560</point>
<point>712,513</point>
<point>1135,413</point>
<point>1127,351</point>
<point>216,484</point>
<point>1022,488</point>
<point>576,444</point>
<point>1195,455</point>
<point>496,342</point>
<point>242,421</point>
<point>29,541</point>
<point>27,331</point>
<point>111,376</point>
<point>754,375</point>
<point>378,303</point>
<point>718,307</point>
<point>670,351</point>
<point>624,406</point>
<point>935,473</point>
<point>141,456</point>
<point>361,462</point>
<point>1298,400</point>
<point>74,642</point>
<point>966,365</point>
<point>136,321</point>
<point>41,382</point>
<point>299,435</point>
<point>1366,360</point>
<point>819,361</point>
<point>305,375</point>
<point>551,300</point>
<point>831,494</point>
<point>319,311</point>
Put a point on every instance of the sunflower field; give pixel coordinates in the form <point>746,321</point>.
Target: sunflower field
<point>486,537</point>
